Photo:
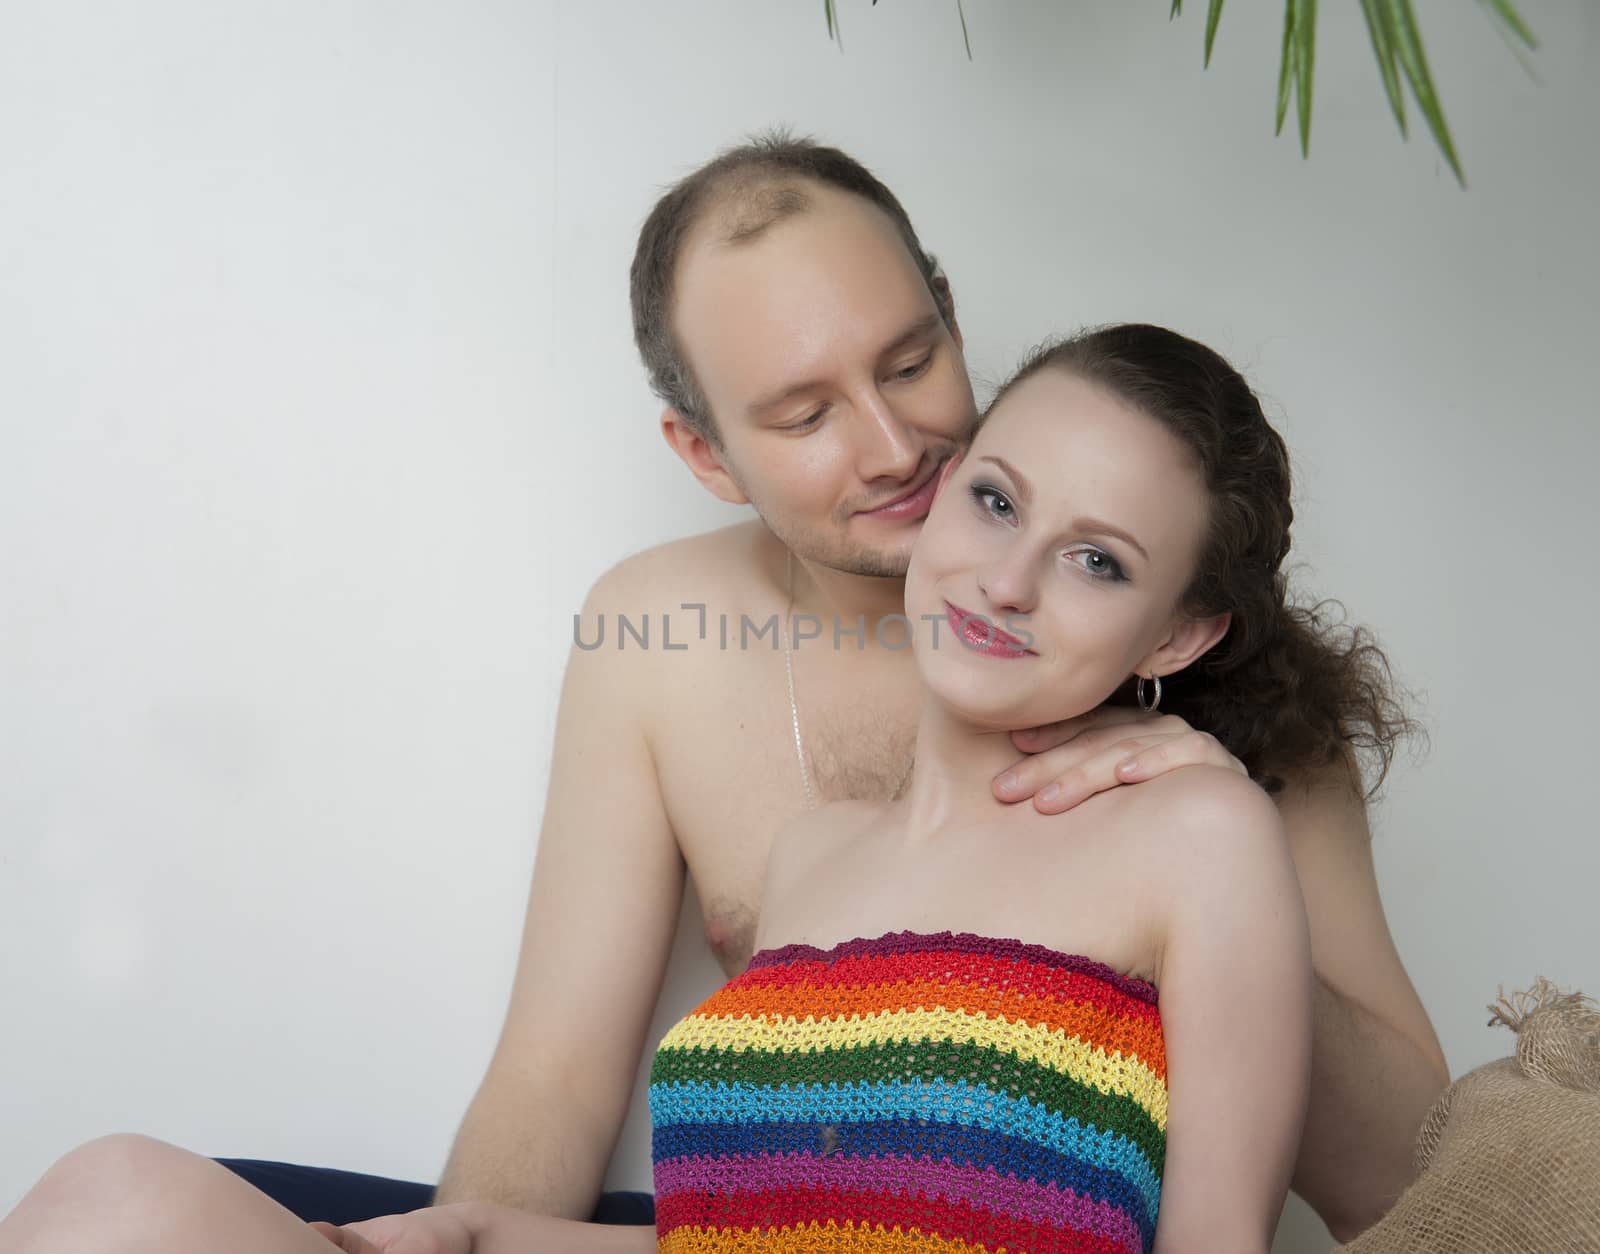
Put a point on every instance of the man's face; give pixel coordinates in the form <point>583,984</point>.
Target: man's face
<point>837,389</point>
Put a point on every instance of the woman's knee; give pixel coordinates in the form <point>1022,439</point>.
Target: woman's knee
<point>123,1162</point>
<point>113,1180</point>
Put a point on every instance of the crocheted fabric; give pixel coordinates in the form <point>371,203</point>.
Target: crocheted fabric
<point>913,1093</point>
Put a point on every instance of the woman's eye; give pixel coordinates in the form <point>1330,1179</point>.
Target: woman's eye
<point>1100,565</point>
<point>809,421</point>
<point>993,502</point>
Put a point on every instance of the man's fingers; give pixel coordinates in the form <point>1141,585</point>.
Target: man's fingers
<point>1047,736</point>
<point>1024,778</point>
<point>1106,721</point>
<point>346,1240</point>
<point>1191,749</point>
<point>1103,757</point>
<point>1129,761</point>
<point>385,1232</point>
<point>1065,767</point>
<point>1077,784</point>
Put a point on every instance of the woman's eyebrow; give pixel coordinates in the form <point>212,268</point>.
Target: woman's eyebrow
<point>1024,488</point>
<point>1082,523</point>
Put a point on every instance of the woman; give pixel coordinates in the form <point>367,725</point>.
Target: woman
<point>969,1023</point>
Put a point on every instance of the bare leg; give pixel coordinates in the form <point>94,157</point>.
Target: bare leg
<point>134,1195</point>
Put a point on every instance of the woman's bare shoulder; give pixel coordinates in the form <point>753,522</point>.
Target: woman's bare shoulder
<point>1196,831</point>
<point>1210,802</point>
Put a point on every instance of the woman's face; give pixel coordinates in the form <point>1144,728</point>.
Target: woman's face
<point>1068,532</point>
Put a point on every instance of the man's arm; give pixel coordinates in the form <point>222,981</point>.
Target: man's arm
<point>1376,1062</point>
<point>607,888</point>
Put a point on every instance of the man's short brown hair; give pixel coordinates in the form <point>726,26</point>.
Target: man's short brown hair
<point>755,185</point>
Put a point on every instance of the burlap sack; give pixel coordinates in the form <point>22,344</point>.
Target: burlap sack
<point>1510,1155</point>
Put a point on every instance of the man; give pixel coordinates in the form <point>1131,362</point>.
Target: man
<point>810,359</point>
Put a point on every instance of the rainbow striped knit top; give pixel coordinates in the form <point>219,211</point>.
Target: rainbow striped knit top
<point>913,1093</point>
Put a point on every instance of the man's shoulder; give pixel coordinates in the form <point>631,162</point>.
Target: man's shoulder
<point>1325,805</point>
<point>727,564</point>
<point>684,620</point>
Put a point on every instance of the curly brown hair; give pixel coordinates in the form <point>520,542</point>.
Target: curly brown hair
<point>1288,689</point>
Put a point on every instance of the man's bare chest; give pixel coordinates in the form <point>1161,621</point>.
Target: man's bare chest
<point>731,777</point>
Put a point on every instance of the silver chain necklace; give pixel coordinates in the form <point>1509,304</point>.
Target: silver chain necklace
<point>794,706</point>
<point>788,670</point>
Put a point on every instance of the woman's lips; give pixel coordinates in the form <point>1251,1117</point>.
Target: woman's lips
<point>983,636</point>
<point>913,505</point>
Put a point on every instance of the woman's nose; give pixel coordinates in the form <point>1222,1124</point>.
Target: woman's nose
<point>1010,584</point>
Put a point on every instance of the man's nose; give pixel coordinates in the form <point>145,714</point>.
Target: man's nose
<point>887,448</point>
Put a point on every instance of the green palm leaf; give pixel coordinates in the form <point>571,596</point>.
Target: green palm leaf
<point>1213,16</point>
<point>1511,20</point>
<point>1379,27</point>
<point>1408,43</point>
<point>1305,58</point>
<point>1396,45</point>
<point>1295,70</point>
<point>1286,64</point>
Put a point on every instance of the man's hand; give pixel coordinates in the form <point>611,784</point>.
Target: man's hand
<point>436,1230</point>
<point>486,1228</point>
<point>1068,762</point>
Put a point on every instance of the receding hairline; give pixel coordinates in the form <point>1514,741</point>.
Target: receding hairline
<point>730,219</point>
<point>757,202</point>
<point>728,227</point>
<point>744,205</point>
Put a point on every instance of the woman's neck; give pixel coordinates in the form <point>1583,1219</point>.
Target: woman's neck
<point>955,765</point>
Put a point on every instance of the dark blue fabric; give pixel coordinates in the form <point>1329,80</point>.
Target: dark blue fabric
<point>346,1197</point>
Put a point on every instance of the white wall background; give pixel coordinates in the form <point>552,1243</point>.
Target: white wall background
<point>319,411</point>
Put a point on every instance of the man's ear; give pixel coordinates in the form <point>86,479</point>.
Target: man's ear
<point>702,459</point>
<point>945,471</point>
<point>1190,638</point>
<point>947,307</point>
